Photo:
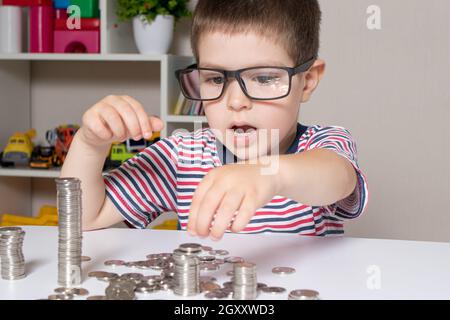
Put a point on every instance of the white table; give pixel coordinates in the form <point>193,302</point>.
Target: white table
<point>339,268</point>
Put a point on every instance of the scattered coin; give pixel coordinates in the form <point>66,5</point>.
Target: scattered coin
<point>114,263</point>
<point>273,290</point>
<point>303,294</point>
<point>209,266</point>
<point>234,259</point>
<point>72,291</point>
<point>85,259</point>
<point>60,297</point>
<point>208,286</point>
<point>217,294</point>
<point>283,270</point>
<point>97,298</point>
<point>207,258</point>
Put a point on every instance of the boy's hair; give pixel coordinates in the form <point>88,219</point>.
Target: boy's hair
<point>295,24</point>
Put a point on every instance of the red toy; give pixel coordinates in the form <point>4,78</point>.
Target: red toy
<point>77,41</point>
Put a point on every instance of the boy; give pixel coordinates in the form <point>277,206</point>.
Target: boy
<point>257,62</point>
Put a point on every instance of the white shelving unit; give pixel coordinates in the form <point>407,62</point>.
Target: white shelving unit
<point>42,91</point>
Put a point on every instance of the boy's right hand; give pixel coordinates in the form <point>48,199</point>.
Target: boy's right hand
<point>117,118</point>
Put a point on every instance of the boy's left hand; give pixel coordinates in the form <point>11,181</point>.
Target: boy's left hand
<point>228,197</point>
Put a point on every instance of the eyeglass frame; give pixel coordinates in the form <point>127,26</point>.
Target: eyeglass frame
<point>236,74</point>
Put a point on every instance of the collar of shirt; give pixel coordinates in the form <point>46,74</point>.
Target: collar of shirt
<point>227,157</point>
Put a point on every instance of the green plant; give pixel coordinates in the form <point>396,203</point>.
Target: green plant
<point>149,9</point>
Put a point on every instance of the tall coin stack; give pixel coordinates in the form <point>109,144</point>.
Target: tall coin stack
<point>187,270</point>
<point>11,256</point>
<point>70,232</point>
<point>245,283</point>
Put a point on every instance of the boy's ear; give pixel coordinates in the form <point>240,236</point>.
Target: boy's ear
<point>312,79</point>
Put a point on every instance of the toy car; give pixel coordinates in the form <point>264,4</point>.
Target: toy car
<point>61,138</point>
<point>19,148</point>
<point>121,152</point>
<point>43,157</point>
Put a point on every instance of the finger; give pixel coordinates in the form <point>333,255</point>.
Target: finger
<point>199,194</point>
<point>97,127</point>
<point>208,208</point>
<point>113,120</point>
<point>144,121</point>
<point>226,211</point>
<point>129,117</point>
<point>244,215</point>
<point>157,123</point>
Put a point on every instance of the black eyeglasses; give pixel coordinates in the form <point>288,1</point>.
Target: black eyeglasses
<point>257,83</point>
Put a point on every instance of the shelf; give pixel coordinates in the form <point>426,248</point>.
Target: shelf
<point>83,57</point>
<point>30,173</point>
<point>186,119</point>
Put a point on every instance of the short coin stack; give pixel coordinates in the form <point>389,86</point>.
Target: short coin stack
<point>11,256</point>
<point>245,284</point>
<point>70,233</point>
<point>186,279</point>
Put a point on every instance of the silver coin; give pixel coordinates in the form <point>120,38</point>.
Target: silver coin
<point>114,263</point>
<point>136,277</point>
<point>209,266</point>
<point>217,294</point>
<point>283,270</point>
<point>273,290</point>
<point>207,248</point>
<point>303,294</point>
<point>85,259</point>
<point>218,252</point>
<point>207,258</point>
<point>208,286</point>
<point>144,287</point>
<point>234,259</point>
<point>96,274</point>
<point>97,298</point>
<point>60,297</point>
<point>72,291</point>
<point>261,285</point>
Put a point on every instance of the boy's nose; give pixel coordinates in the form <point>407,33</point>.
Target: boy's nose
<point>236,98</point>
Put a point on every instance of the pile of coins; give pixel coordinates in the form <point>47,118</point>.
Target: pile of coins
<point>245,284</point>
<point>70,232</point>
<point>179,272</point>
<point>186,281</point>
<point>11,256</point>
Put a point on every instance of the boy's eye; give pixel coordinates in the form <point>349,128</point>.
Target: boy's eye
<point>266,79</point>
<point>217,80</point>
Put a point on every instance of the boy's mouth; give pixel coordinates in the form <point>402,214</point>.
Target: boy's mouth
<point>242,128</point>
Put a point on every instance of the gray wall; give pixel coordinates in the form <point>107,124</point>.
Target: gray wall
<point>389,87</point>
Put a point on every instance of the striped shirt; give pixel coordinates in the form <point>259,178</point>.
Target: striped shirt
<point>164,176</point>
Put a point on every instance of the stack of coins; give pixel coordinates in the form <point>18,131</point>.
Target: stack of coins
<point>11,256</point>
<point>245,285</point>
<point>70,232</point>
<point>186,279</point>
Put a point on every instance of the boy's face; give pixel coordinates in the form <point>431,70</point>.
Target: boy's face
<point>221,51</point>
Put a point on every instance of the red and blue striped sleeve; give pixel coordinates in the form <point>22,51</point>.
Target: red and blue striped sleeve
<point>145,186</point>
<point>339,140</point>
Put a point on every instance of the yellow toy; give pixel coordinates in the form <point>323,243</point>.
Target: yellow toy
<point>19,148</point>
<point>48,216</point>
